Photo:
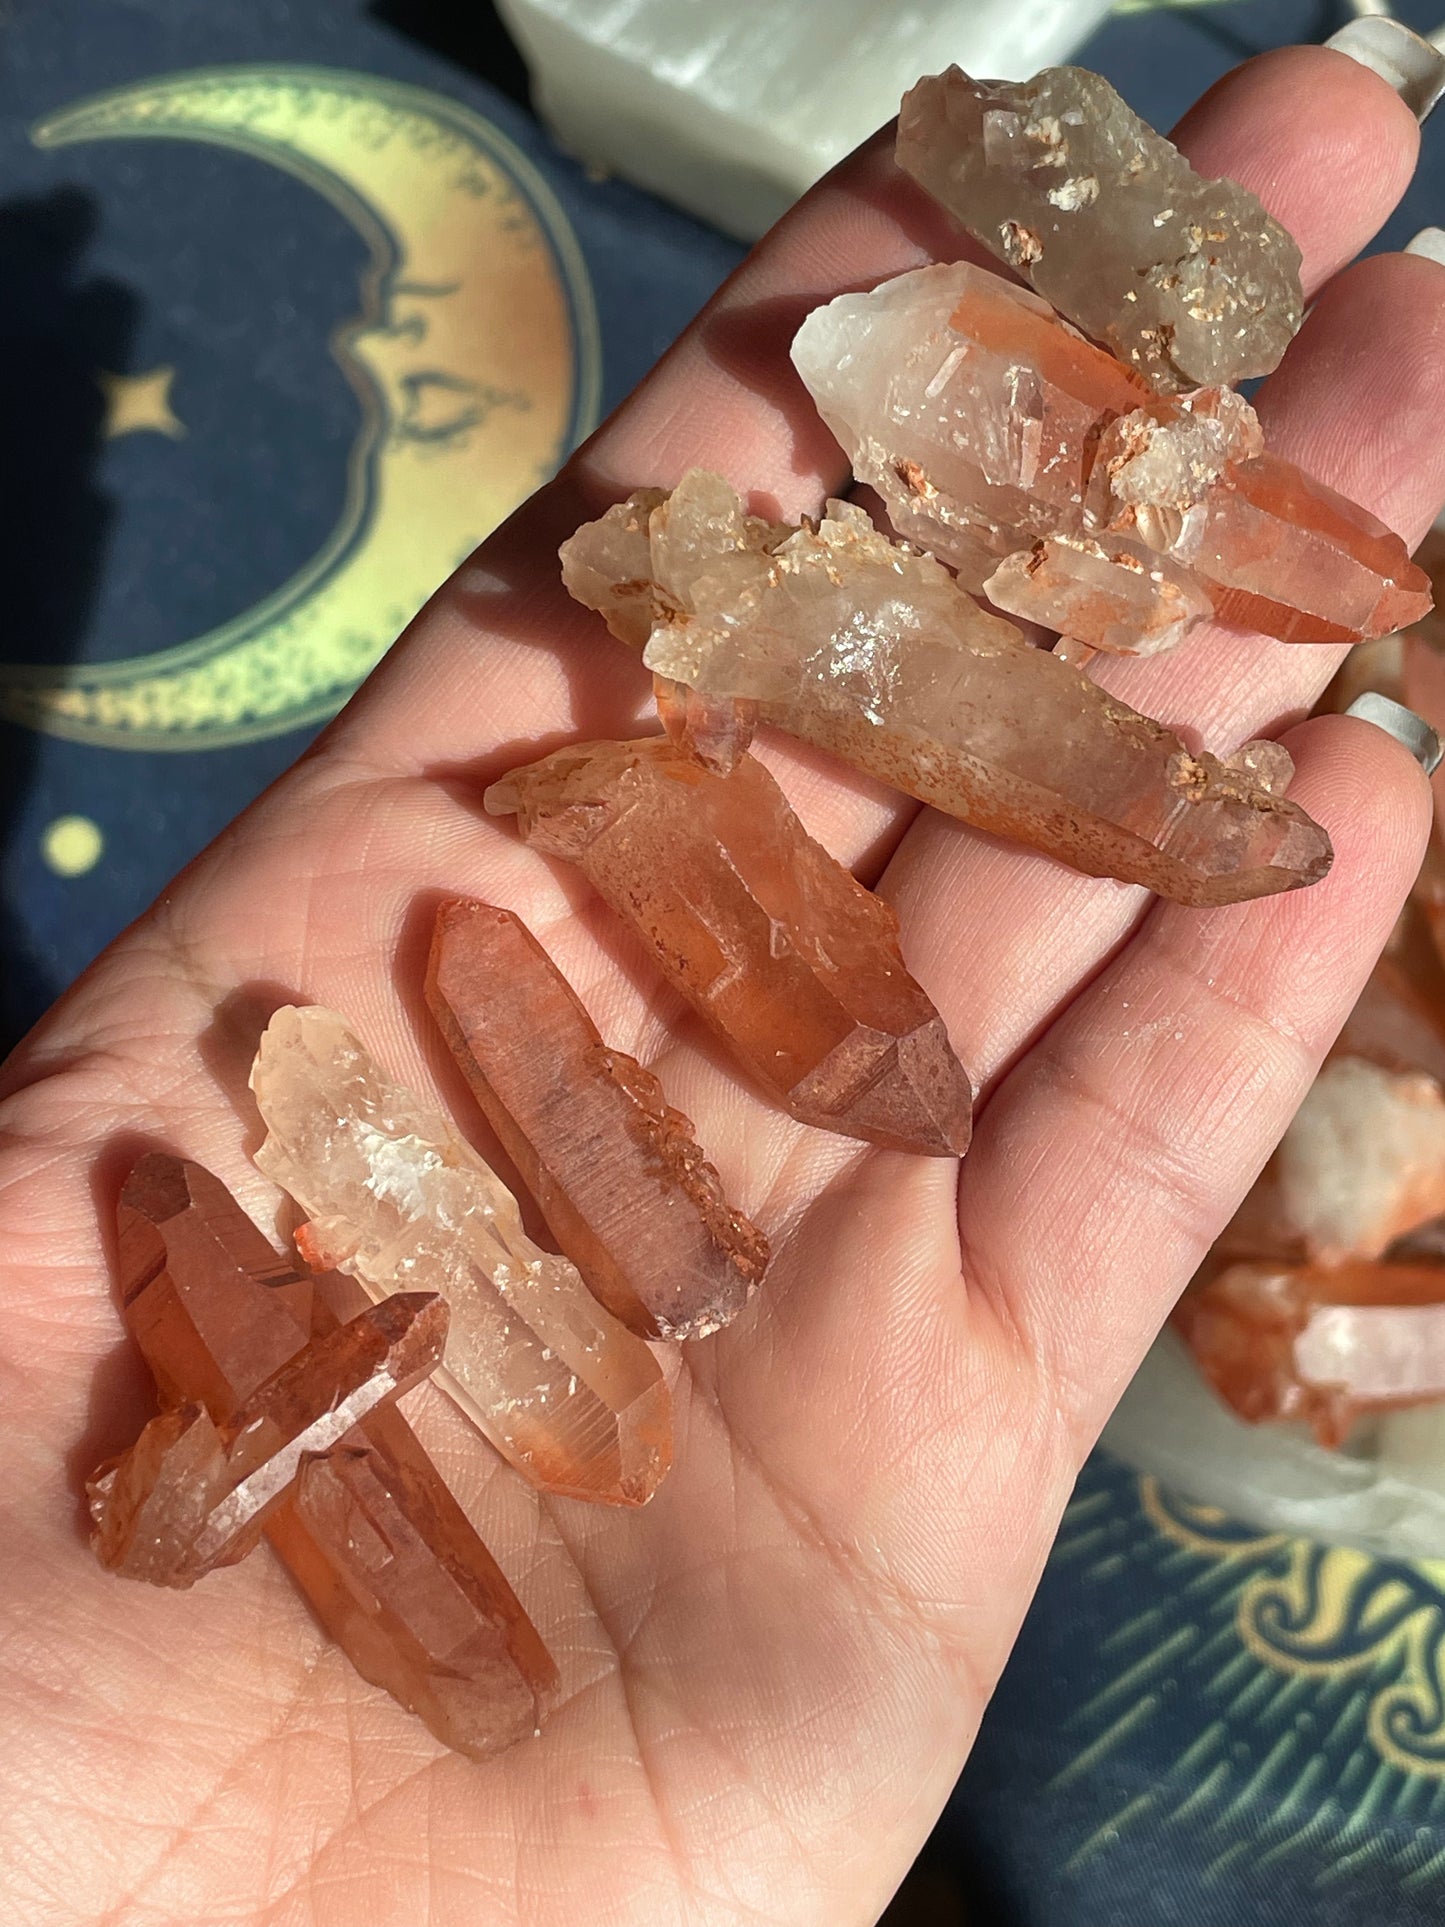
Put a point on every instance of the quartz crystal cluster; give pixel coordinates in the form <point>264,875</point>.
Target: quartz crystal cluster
<point>278,1415</point>
<point>988,427</point>
<point>1086,466</point>
<point>1324,1300</point>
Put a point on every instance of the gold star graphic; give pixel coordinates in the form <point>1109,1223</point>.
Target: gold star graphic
<point>134,402</point>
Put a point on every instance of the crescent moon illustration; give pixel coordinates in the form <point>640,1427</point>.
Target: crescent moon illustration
<point>475,356</point>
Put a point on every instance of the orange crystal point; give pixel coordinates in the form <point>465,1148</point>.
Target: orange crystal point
<point>191,1496</point>
<point>396,1574</point>
<point>626,1190</point>
<point>790,960</point>
<point>1319,1343</point>
<point>1276,550</point>
<point>151,1505</point>
<point>399,1200</point>
<point>988,425</point>
<point>403,1583</point>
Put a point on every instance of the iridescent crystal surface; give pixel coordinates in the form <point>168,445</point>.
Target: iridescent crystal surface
<point>790,960</point>
<point>871,651</point>
<point>1188,280</point>
<point>399,1201</point>
<point>387,1558</point>
<point>617,1172</point>
<point>988,425</point>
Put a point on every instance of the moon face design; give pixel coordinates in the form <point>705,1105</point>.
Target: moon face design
<point>474,355</point>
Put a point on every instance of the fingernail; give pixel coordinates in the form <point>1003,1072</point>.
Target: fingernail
<point>1429,243</point>
<point>1389,48</point>
<point>1403,724</point>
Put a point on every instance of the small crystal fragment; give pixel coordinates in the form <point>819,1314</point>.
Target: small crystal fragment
<point>190,1495</point>
<point>390,1563</point>
<point>1364,1160</point>
<point>791,961</point>
<point>1186,279</point>
<point>1267,764</point>
<point>1323,1344</point>
<point>399,1201</point>
<point>988,425</point>
<point>715,730</point>
<point>1276,551</point>
<point>871,651</point>
<point>1116,593</point>
<point>619,1178</point>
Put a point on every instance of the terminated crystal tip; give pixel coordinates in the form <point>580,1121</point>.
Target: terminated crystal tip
<point>620,1179</point>
<point>1187,280</point>
<point>789,959</point>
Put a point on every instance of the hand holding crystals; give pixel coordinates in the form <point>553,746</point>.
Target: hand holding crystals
<point>771,1674</point>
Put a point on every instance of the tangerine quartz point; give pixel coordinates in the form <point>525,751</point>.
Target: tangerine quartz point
<point>399,1201</point>
<point>776,946</point>
<point>369,1531</point>
<point>1321,1343</point>
<point>1188,280</point>
<point>395,1572</point>
<point>871,651</point>
<point>618,1176</point>
<point>988,425</point>
<point>191,1495</point>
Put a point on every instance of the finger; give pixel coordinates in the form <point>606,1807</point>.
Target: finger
<point>1357,403</point>
<point>1275,125</point>
<point>500,657</point>
<point>1109,1160</point>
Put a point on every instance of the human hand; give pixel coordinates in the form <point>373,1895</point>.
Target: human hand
<point>772,1674</point>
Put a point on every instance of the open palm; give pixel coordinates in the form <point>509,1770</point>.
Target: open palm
<point>771,1675</point>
